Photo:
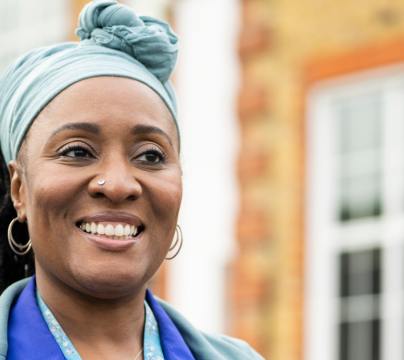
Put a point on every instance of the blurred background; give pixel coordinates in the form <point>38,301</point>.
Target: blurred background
<point>292,119</point>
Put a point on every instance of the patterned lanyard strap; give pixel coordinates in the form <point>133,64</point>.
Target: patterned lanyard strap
<point>151,344</point>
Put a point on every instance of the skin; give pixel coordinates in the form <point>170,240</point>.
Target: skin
<point>81,282</point>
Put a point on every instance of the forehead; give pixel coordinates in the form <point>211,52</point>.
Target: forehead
<point>108,101</point>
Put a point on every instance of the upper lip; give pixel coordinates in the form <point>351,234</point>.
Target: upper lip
<point>112,216</point>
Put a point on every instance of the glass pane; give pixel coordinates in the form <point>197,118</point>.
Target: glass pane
<point>359,121</point>
<point>360,286</point>
<point>360,163</point>
<point>360,273</point>
<point>360,341</point>
<point>360,197</point>
<point>360,139</point>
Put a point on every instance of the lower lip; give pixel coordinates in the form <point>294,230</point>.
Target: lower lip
<point>111,244</point>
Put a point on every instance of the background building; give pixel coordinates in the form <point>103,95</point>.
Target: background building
<point>320,231</point>
<point>292,118</point>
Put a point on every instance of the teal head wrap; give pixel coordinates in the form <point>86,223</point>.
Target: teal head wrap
<point>114,42</point>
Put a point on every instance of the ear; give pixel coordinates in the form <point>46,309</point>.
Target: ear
<point>17,189</point>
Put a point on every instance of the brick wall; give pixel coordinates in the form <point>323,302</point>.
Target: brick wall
<point>286,45</point>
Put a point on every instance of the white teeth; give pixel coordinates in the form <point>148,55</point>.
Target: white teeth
<point>119,230</point>
<point>109,230</point>
<point>124,231</point>
<point>101,229</point>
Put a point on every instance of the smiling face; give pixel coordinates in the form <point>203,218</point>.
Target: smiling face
<point>102,239</point>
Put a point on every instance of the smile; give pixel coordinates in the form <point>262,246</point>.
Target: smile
<point>109,230</point>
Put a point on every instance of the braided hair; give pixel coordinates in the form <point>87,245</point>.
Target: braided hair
<point>12,267</point>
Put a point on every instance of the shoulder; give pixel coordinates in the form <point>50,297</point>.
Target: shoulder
<point>209,346</point>
<point>228,345</point>
<point>7,299</point>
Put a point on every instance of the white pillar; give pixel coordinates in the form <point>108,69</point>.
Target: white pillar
<point>207,82</point>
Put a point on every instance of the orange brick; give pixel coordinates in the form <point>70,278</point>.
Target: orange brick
<point>252,228</point>
<point>252,164</point>
<point>250,284</point>
<point>254,38</point>
<point>251,334</point>
<point>252,101</point>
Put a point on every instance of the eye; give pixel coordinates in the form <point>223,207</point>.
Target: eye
<point>151,156</point>
<point>75,151</point>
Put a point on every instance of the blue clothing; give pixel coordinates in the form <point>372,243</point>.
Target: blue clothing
<point>114,42</point>
<point>26,330</point>
<point>23,326</point>
<point>151,339</point>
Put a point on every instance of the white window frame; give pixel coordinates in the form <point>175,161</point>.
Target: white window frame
<point>326,237</point>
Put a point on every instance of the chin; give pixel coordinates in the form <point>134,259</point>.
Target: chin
<point>109,282</point>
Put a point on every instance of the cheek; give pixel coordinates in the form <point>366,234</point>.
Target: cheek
<point>53,195</point>
<point>51,198</point>
<point>166,197</point>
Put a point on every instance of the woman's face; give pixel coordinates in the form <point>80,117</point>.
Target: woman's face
<point>103,240</point>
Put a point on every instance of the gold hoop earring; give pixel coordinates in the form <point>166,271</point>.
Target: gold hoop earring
<point>23,249</point>
<point>179,237</point>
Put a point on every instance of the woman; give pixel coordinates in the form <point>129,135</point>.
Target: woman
<point>89,133</point>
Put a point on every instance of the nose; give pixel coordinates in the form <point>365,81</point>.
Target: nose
<point>119,183</point>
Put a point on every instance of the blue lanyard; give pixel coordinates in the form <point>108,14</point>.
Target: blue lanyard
<point>152,345</point>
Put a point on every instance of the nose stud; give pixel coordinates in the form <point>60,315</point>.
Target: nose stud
<point>101,182</point>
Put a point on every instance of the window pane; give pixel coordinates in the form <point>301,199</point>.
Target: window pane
<point>360,139</point>
<point>359,123</point>
<point>360,273</point>
<point>360,341</point>
<point>360,287</point>
<point>360,163</point>
<point>360,197</point>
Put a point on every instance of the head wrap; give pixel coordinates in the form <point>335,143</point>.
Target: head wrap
<point>114,42</point>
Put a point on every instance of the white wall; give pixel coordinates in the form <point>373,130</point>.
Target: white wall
<point>207,81</point>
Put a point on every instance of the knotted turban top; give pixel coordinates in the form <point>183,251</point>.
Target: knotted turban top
<point>114,41</point>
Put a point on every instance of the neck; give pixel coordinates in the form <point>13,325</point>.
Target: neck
<point>96,326</point>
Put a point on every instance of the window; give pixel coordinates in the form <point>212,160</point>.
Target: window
<point>355,218</point>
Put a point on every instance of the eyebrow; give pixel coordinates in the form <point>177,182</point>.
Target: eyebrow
<point>147,129</point>
<point>91,128</point>
<point>96,129</point>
